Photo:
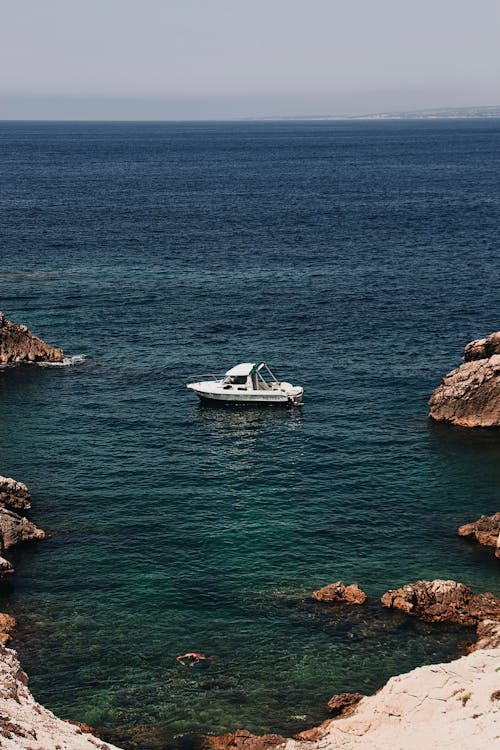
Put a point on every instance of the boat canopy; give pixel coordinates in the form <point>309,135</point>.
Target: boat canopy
<point>244,369</point>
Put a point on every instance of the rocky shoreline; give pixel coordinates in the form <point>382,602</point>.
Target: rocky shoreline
<point>18,344</point>
<point>459,702</point>
<point>14,528</point>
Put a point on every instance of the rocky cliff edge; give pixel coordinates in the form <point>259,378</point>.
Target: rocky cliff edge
<point>470,395</point>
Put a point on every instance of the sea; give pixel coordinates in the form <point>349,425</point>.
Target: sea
<point>357,259</point>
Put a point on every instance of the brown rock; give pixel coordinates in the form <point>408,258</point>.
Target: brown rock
<point>470,395</point>
<point>243,740</point>
<point>18,344</point>
<point>475,350</point>
<point>484,607</point>
<point>315,733</point>
<point>339,592</point>
<point>482,348</point>
<point>5,567</point>
<point>7,627</point>
<point>14,529</point>
<point>84,728</point>
<point>485,531</point>
<point>14,495</point>
<point>436,601</point>
<point>344,703</point>
<point>488,635</point>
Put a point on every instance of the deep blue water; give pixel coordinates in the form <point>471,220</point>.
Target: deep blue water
<point>357,259</point>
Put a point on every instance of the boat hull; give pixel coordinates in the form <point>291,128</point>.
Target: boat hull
<point>226,397</point>
<point>221,401</point>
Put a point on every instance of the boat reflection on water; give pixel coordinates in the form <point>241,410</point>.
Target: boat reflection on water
<point>242,428</point>
<point>247,418</point>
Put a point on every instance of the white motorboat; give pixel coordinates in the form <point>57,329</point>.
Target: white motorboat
<point>250,383</point>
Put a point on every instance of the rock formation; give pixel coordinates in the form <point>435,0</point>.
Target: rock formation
<point>18,344</point>
<point>243,740</point>
<point>438,706</point>
<point>25,724</point>
<point>5,568</point>
<point>339,592</point>
<point>488,635</point>
<point>470,395</point>
<point>452,705</point>
<point>14,495</point>
<point>436,601</point>
<point>344,703</point>
<point>7,627</point>
<point>13,527</point>
<point>485,531</point>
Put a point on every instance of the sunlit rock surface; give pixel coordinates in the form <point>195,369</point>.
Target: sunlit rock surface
<point>437,601</point>
<point>470,395</point>
<point>485,531</point>
<point>19,344</point>
<point>440,706</point>
<point>25,724</point>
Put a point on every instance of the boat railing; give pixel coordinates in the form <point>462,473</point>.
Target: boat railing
<point>212,375</point>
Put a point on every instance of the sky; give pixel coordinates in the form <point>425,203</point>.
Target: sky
<point>204,59</point>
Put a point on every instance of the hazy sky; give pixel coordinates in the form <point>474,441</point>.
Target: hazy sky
<point>222,58</point>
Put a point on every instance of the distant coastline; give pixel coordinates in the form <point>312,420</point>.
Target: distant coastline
<point>443,113</point>
<point>77,110</point>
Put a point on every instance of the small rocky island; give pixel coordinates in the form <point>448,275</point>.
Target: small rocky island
<point>470,395</point>
<point>19,344</point>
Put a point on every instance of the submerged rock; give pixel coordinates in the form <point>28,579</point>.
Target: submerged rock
<point>14,495</point>
<point>485,531</point>
<point>470,395</point>
<point>19,344</point>
<point>243,740</point>
<point>438,601</point>
<point>339,592</point>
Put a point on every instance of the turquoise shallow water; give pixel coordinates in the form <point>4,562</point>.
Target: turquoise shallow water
<point>357,259</point>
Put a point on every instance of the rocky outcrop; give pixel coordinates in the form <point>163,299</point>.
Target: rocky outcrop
<point>5,568</point>
<point>485,531</point>
<point>14,495</point>
<point>339,592</point>
<point>243,740</point>
<point>437,601</point>
<point>438,706</point>
<point>7,627</point>
<point>19,344</point>
<point>488,635</point>
<point>25,724</point>
<point>14,528</point>
<point>470,395</point>
<point>482,348</point>
<point>344,703</point>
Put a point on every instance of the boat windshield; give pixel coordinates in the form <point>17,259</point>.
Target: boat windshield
<point>236,379</point>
